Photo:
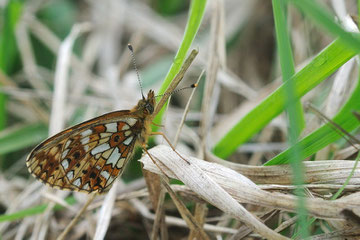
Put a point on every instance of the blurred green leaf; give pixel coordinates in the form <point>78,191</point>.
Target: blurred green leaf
<point>154,74</point>
<point>294,111</point>
<point>325,134</point>
<point>19,137</point>
<point>172,7</point>
<point>33,211</point>
<point>322,66</point>
<point>59,16</point>
<point>8,49</point>
<point>321,16</point>
<point>286,56</point>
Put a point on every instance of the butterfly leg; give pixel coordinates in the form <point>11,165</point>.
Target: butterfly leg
<point>168,141</point>
<point>153,160</point>
<point>158,125</point>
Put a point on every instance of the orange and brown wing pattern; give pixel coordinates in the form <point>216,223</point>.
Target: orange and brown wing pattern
<point>87,157</point>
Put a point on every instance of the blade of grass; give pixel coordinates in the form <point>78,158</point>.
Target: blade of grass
<point>294,110</point>
<point>21,137</point>
<point>326,20</point>
<point>23,213</point>
<point>325,134</point>
<point>285,54</point>
<point>33,211</point>
<point>196,13</point>
<point>311,8</point>
<point>8,51</point>
<point>337,194</point>
<point>322,66</point>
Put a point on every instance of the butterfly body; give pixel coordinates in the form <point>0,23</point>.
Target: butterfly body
<point>89,156</point>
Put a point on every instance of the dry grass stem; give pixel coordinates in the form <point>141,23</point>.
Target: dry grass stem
<point>40,113</point>
<point>286,224</point>
<point>197,178</point>
<point>185,213</point>
<point>57,121</point>
<point>157,197</point>
<point>159,220</point>
<point>322,172</point>
<point>58,71</point>
<point>245,191</point>
<point>76,218</point>
<point>174,221</point>
<point>103,220</point>
<point>175,81</point>
<point>216,61</point>
<point>186,111</point>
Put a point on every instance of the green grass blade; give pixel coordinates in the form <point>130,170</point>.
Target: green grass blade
<point>33,211</point>
<point>337,194</point>
<point>318,13</point>
<point>322,66</point>
<point>8,50</point>
<point>23,213</point>
<point>325,134</point>
<point>294,110</point>
<point>196,13</point>
<point>22,136</point>
<point>285,54</point>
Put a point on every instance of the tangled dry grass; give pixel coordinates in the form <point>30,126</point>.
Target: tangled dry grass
<point>92,74</point>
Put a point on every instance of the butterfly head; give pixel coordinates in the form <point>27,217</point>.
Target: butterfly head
<point>147,105</point>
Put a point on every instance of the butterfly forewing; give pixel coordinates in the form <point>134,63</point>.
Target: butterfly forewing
<point>89,156</point>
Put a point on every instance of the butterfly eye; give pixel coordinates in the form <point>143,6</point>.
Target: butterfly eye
<point>149,108</point>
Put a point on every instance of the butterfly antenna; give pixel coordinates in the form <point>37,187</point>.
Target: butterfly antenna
<point>135,67</point>
<point>194,85</point>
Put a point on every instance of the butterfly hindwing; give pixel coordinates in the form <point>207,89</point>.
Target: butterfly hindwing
<point>87,157</point>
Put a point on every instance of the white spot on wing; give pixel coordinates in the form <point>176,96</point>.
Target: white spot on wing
<point>77,182</point>
<point>86,148</point>
<point>125,127</point>
<point>98,167</point>
<point>85,140</point>
<point>63,155</point>
<point>109,181</point>
<point>128,140</point>
<point>70,175</point>
<point>101,148</point>
<point>105,174</point>
<point>111,127</point>
<point>86,133</point>
<point>67,144</point>
<point>130,121</point>
<point>86,186</point>
<point>65,164</point>
<point>114,157</point>
<point>127,133</point>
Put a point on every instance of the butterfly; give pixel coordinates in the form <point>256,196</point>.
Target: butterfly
<point>88,157</point>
